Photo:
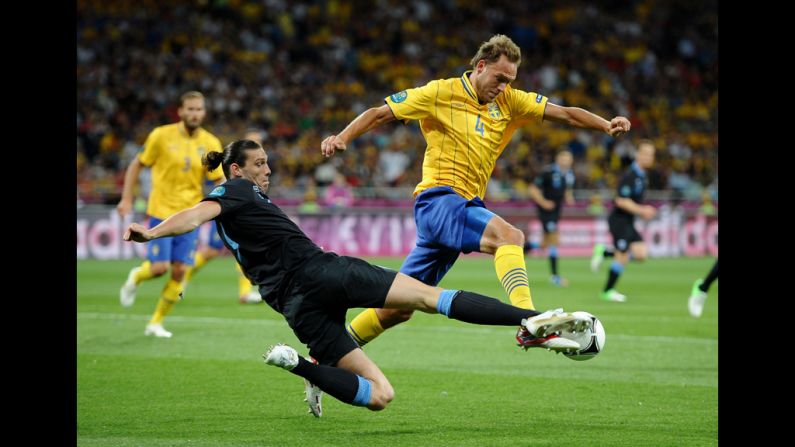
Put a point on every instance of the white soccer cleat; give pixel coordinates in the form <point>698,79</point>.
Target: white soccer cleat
<point>597,257</point>
<point>252,297</point>
<point>552,342</point>
<point>560,344</point>
<point>127,292</point>
<point>313,394</point>
<point>313,397</point>
<point>613,295</point>
<point>157,330</point>
<point>697,298</point>
<point>282,356</point>
<point>696,304</point>
<point>553,321</point>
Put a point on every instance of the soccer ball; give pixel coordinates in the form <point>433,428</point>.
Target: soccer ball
<point>592,341</point>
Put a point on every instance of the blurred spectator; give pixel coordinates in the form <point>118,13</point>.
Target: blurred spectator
<point>309,204</point>
<point>338,194</point>
<point>595,206</point>
<point>392,164</point>
<point>303,68</point>
<point>707,208</point>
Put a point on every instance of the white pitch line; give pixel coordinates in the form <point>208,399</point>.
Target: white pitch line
<point>178,319</point>
<point>463,329</point>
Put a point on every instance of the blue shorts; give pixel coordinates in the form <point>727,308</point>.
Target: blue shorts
<point>180,248</point>
<point>447,225</point>
<point>214,240</point>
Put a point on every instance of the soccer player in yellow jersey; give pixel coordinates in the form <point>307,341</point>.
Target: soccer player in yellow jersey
<point>467,122</point>
<point>212,250</point>
<point>174,153</point>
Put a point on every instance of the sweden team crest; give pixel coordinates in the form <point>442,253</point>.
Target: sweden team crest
<point>494,111</point>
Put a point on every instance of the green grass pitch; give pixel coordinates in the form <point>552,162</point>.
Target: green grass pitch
<point>655,383</point>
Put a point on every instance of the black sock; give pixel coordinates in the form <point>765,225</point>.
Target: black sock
<point>553,264</point>
<point>471,307</point>
<point>338,382</point>
<point>713,275</point>
<point>612,278</point>
<point>609,252</point>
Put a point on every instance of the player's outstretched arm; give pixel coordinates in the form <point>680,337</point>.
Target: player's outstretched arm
<point>130,180</point>
<point>538,197</point>
<point>369,119</point>
<point>577,117</point>
<point>179,223</point>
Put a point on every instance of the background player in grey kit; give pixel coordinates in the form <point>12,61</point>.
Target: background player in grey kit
<point>628,244</point>
<point>548,191</point>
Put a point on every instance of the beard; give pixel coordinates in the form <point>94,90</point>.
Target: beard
<point>192,125</point>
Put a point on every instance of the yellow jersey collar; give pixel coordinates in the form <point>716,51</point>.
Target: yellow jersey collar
<point>468,86</point>
<point>184,131</point>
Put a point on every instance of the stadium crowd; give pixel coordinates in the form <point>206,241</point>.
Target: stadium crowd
<point>301,69</point>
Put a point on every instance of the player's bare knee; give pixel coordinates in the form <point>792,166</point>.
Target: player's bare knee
<point>622,257</point>
<point>376,406</point>
<point>178,271</point>
<point>391,317</point>
<point>403,315</point>
<point>211,254</point>
<point>388,394</point>
<point>510,235</point>
<point>382,395</point>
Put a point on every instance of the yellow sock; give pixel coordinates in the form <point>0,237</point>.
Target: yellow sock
<point>243,284</point>
<point>144,273</point>
<point>168,298</point>
<point>512,272</point>
<point>365,327</point>
<point>198,262</point>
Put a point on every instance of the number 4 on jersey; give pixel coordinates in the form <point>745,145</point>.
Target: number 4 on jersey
<point>479,126</point>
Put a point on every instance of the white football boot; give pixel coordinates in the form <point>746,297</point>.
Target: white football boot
<point>282,356</point>
<point>551,342</point>
<point>252,297</point>
<point>613,295</point>
<point>127,292</point>
<point>157,330</point>
<point>313,394</point>
<point>695,304</point>
<point>597,257</point>
<point>553,321</point>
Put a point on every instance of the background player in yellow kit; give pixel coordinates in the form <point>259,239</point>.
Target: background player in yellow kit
<point>245,291</point>
<point>467,121</point>
<point>174,153</point>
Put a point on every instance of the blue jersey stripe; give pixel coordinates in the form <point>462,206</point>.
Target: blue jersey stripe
<point>463,82</point>
<point>232,244</point>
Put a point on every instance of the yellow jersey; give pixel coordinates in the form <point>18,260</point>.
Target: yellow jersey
<point>464,137</point>
<point>177,172</point>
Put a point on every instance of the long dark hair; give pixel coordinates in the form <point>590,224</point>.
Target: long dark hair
<point>234,152</point>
